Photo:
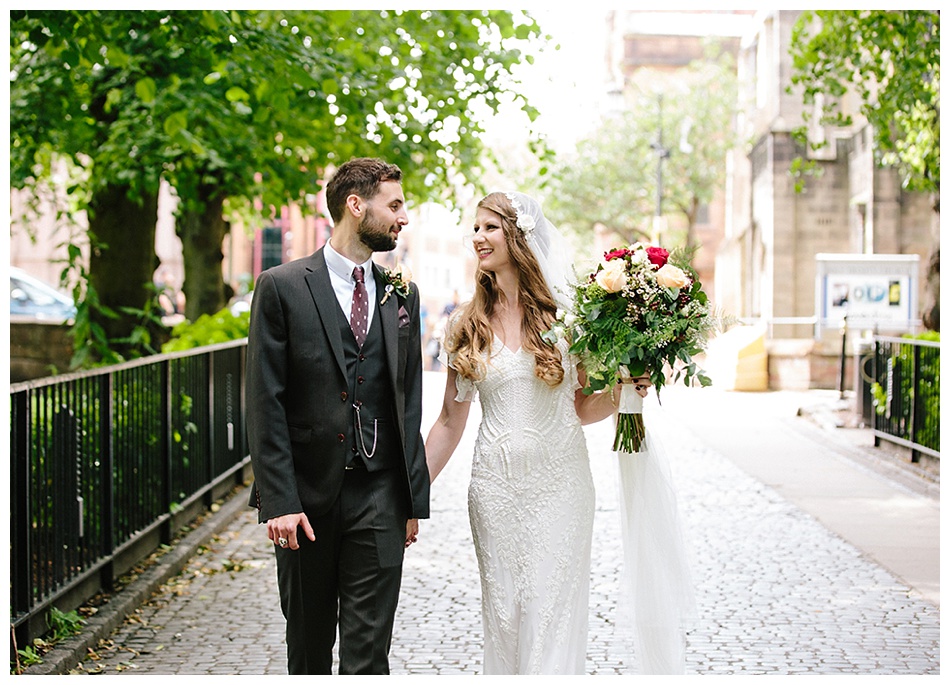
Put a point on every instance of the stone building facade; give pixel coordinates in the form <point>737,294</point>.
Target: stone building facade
<point>761,235</point>
<point>766,263</point>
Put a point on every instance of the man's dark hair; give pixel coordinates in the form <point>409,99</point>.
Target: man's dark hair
<point>359,176</point>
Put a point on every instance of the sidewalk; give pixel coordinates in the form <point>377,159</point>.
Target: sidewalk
<point>836,475</point>
<point>805,558</point>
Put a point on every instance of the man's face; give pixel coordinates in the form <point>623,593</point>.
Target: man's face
<point>383,218</point>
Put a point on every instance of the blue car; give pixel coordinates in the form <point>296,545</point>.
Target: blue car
<point>34,299</point>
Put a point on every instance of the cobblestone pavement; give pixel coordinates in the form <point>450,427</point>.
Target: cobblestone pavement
<point>778,593</point>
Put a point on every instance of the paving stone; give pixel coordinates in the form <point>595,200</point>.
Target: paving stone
<point>777,592</point>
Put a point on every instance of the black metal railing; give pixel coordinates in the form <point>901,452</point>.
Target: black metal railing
<point>106,460</point>
<point>907,394</point>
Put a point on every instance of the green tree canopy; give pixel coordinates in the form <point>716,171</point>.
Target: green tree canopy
<point>891,60</point>
<point>246,107</point>
<point>613,178</point>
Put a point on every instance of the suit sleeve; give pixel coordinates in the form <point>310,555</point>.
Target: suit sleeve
<point>415,446</point>
<point>267,430</point>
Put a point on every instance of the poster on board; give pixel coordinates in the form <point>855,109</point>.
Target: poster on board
<point>874,291</point>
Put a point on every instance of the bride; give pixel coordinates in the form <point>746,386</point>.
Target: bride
<point>531,496</point>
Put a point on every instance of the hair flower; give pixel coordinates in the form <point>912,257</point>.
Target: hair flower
<point>525,222</point>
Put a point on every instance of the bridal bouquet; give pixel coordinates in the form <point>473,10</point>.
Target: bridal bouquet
<point>639,312</point>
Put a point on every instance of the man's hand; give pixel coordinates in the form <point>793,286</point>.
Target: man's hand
<point>412,530</point>
<point>282,531</point>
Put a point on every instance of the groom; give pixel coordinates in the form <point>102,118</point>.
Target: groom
<point>334,404</point>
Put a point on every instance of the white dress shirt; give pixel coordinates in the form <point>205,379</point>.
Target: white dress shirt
<point>341,278</point>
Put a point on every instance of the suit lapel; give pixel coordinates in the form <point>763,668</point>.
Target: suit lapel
<point>388,316</point>
<point>318,281</point>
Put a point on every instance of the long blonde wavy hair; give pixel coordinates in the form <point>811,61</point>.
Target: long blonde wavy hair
<point>471,333</point>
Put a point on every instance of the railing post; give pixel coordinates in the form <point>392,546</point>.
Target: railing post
<point>242,374</point>
<point>212,431</point>
<point>20,521</point>
<point>876,374</point>
<point>843,362</point>
<point>167,528</point>
<point>107,487</point>
<point>916,420</point>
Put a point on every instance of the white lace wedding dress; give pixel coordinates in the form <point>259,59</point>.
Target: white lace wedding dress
<point>531,504</point>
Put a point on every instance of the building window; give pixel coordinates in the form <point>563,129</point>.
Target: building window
<point>702,214</point>
<point>271,248</point>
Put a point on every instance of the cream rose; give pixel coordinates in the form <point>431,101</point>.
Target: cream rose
<point>670,276</point>
<point>612,277</point>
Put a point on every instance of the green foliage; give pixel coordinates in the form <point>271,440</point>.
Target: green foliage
<point>611,178</point>
<point>63,625</point>
<point>928,382</point>
<point>208,330</point>
<point>91,345</point>
<point>28,656</point>
<point>260,103</point>
<point>890,59</point>
<point>252,106</point>
<point>608,179</point>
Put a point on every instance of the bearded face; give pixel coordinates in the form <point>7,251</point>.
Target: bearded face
<point>375,233</point>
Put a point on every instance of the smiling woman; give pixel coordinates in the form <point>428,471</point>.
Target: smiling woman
<point>531,498</point>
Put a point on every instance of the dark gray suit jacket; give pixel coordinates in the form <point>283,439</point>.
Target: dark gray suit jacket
<point>298,409</point>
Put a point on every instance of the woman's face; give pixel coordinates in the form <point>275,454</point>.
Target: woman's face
<point>489,241</point>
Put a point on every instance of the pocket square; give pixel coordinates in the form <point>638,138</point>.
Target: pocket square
<point>403,317</point>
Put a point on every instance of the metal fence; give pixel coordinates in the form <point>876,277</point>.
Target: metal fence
<point>107,464</point>
<point>907,394</point>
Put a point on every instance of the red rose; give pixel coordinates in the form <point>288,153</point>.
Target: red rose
<point>657,256</point>
<point>616,254</point>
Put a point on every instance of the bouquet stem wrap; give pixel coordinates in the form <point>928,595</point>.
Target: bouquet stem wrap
<point>630,428</point>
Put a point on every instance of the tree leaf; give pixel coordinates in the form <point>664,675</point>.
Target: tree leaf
<point>145,89</point>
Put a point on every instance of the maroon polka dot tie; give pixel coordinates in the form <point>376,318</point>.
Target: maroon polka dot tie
<point>360,310</point>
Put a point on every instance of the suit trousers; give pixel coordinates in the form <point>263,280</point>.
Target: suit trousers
<point>352,572</point>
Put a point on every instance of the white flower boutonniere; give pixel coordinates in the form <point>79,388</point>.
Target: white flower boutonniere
<point>397,280</point>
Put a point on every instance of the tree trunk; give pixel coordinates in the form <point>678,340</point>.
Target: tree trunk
<point>931,314</point>
<point>931,309</point>
<point>691,225</point>
<point>121,269</point>
<point>202,230</point>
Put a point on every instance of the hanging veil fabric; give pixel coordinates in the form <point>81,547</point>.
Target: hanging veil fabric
<point>658,603</point>
<point>547,244</point>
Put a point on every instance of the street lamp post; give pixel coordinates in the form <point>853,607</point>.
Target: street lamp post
<point>661,154</point>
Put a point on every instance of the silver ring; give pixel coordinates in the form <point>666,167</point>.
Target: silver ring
<point>282,542</point>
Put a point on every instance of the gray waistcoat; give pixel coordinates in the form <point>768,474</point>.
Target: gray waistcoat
<point>372,436</point>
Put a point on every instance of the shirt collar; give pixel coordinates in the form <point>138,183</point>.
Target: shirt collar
<point>342,266</point>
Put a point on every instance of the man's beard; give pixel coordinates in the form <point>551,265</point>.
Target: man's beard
<point>374,234</point>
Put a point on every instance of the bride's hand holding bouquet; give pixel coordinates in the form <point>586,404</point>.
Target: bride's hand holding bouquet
<point>640,312</point>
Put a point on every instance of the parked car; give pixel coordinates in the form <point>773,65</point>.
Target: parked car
<point>32,298</point>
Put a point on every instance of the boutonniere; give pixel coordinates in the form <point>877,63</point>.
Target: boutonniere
<point>397,280</point>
